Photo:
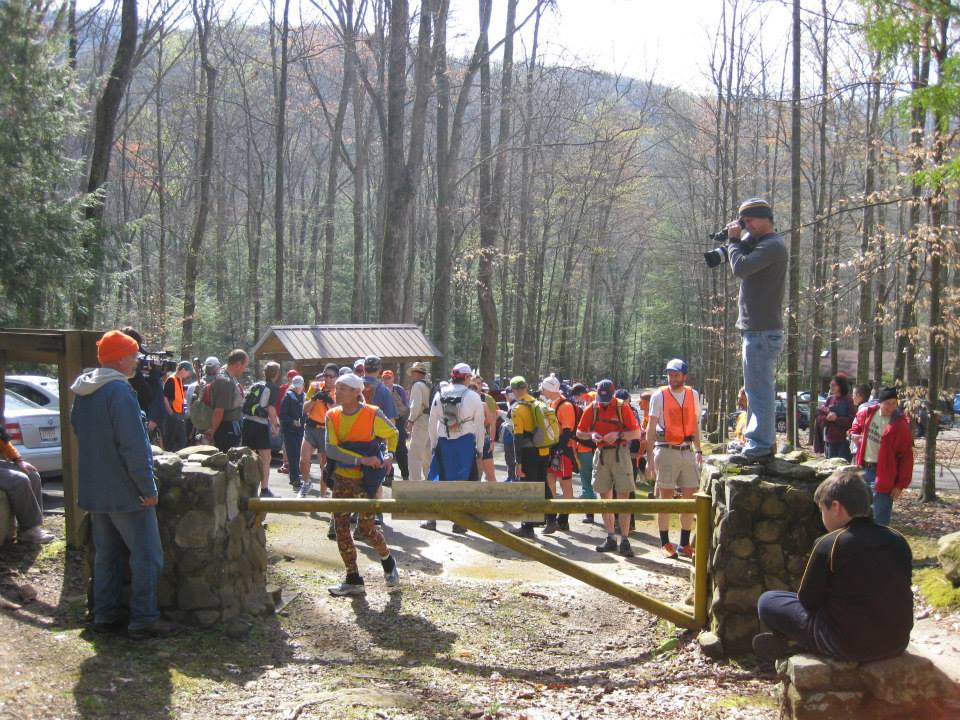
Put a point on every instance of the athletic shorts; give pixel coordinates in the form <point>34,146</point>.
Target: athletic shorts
<point>613,473</point>
<point>487,453</point>
<point>561,467</point>
<point>256,436</point>
<point>676,469</point>
<point>316,436</point>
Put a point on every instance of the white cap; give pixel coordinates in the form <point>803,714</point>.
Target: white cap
<point>211,361</point>
<point>351,380</point>
<point>297,380</point>
<point>550,383</point>
<point>358,363</point>
<point>461,370</point>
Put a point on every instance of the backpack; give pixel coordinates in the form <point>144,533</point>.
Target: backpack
<point>251,401</point>
<point>546,431</point>
<point>596,413</point>
<point>450,405</point>
<point>201,406</point>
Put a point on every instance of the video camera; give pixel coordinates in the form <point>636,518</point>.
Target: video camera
<point>718,255</point>
<point>160,360</point>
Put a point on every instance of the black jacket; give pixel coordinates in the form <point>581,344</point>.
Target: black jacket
<point>857,589</point>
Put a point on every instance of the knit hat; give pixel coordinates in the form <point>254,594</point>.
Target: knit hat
<point>115,345</point>
<point>756,208</point>
<point>550,383</point>
<point>887,393</point>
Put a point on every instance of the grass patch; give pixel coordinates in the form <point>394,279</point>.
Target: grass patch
<point>923,547</point>
<point>741,702</point>
<point>937,590</point>
<point>52,551</point>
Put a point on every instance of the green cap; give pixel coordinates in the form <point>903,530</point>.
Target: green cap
<point>518,381</point>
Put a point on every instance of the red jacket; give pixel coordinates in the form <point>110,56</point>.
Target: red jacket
<point>895,459</point>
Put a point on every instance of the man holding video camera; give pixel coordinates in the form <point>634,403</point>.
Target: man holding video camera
<point>758,258</point>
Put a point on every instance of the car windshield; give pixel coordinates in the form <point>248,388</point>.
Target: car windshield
<point>18,402</point>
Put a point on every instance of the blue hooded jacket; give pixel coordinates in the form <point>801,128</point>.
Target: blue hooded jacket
<point>116,462</point>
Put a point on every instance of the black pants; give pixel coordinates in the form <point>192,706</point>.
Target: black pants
<point>174,433</point>
<point>227,435</point>
<point>534,466</point>
<point>401,453</point>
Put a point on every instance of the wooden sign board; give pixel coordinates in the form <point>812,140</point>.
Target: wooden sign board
<point>468,491</point>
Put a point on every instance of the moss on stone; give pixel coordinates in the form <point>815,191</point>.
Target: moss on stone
<point>937,590</point>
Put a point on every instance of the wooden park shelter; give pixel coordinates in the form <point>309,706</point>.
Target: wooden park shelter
<point>71,351</point>
<point>310,347</point>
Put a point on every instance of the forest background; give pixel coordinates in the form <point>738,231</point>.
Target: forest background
<point>202,172</point>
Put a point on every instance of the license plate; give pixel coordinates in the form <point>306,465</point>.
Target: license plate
<point>49,435</point>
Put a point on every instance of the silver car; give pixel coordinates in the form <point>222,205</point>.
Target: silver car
<point>40,389</point>
<point>35,432</point>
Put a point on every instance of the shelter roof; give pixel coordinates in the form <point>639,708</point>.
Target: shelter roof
<point>345,343</point>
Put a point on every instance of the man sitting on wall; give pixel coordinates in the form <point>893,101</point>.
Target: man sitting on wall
<point>854,602</point>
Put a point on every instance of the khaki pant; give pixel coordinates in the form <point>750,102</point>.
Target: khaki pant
<point>676,468</point>
<point>418,453</point>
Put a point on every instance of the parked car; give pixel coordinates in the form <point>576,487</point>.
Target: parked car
<point>40,389</point>
<point>803,415</point>
<point>35,431</point>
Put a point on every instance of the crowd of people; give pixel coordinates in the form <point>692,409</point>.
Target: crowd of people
<point>359,422</point>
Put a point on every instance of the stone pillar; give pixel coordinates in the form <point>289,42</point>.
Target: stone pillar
<point>765,523</point>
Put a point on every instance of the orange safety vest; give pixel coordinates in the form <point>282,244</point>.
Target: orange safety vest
<point>362,428</point>
<point>318,411</point>
<point>679,421</point>
<point>177,403</point>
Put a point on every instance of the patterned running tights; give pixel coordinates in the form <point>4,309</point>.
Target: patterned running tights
<point>344,487</point>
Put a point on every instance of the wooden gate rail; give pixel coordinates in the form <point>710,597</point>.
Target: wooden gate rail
<point>463,512</point>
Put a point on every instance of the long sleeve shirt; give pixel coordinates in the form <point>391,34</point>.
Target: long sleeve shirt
<point>471,417</point>
<point>419,401</point>
<point>761,267</point>
<point>348,462</point>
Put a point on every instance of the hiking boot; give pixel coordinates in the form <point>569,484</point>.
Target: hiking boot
<point>609,545</point>
<point>564,524</point>
<point>345,588</point>
<point>265,493</point>
<point>36,536</point>
<point>625,548</point>
<point>116,627</point>
<point>770,646</point>
<point>459,529</point>
<point>159,629</point>
<point>392,578</point>
<point>551,528</point>
<point>429,525</point>
<point>305,489</point>
<point>524,531</point>
<point>332,531</point>
<point>669,551</point>
<point>744,459</point>
<point>588,519</point>
<point>686,551</point>
<point>296,485</point>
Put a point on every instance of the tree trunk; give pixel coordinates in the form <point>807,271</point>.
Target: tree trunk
<point>865,333</point>
<point>793,328</point>
<point>206,164</point>
<point>105,123</point>
<point>279,196</point>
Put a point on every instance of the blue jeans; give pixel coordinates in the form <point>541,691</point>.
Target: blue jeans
<point>586,475</point>
<point>761,348</point>
<point>882,502</point>
<point>139,533</point>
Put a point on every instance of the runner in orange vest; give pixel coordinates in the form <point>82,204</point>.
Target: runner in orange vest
<point>355,440</point>
<point>674,456</point>
<point>611,426</point>
<point>174,424</point>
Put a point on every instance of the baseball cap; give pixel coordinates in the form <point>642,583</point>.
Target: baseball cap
<point>296,380</point>
<point>351,380</point>
<point>677,365</point>
<point>357,363</point>
<point>887,393</point>
<point>605,390</point>
<point>550,383</point>
<point>461,370</point>
<point>185,365</point>
<point>371,362</point>
<point>344,371</point>
<point>291,373</point>
<point>518,381</point>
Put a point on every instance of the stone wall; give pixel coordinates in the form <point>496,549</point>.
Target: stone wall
<point>215,554</point>
<point>906,686</point>
<point>765,522</point>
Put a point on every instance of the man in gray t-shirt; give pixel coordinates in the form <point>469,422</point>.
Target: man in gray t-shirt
<point>759,260</point>
<point>227,398</point>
